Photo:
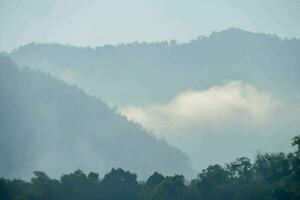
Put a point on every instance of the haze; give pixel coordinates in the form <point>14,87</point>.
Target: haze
<point>96,23</point>
<point>168,86</point>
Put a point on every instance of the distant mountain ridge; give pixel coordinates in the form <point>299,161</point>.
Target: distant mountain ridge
<point>265,61</point>
<point>146,74</point>
<point>49,125</point>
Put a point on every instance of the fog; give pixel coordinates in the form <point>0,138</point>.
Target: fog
<point>100,22</point>
<point>229,92</point>
<point>49,125</point>
<point>144,85</point>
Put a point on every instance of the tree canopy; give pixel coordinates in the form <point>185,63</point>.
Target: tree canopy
<point>272,176</point>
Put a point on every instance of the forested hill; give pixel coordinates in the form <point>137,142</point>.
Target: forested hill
<point>273,176</point>
<point>264,61</point>
<point>49,125</point>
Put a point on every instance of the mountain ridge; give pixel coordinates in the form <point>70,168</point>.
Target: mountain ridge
<point>256,58</point>
<point>50,125</point>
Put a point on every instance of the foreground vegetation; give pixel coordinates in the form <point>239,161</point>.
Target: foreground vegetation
<point>273,176</point>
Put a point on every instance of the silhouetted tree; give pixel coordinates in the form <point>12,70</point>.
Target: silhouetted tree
<point>4,192</point>
<point>119,184</point>
<point>155,179</point>
<point>171,188</point>
<point>273,176</point>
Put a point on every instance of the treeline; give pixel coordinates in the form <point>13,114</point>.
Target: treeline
<point>274,176</point>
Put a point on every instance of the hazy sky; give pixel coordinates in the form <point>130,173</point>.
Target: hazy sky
<point>99,22</point>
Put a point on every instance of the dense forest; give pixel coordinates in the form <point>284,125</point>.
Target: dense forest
<point>272,176</point>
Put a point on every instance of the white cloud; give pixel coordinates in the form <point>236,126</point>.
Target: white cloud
<point>218,106</point>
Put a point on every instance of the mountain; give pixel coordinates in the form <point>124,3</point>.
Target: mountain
<point>226,94</point>
<point>155,72</point>
<point>47,124</point>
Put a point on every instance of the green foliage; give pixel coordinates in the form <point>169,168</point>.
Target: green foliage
<point>171,188</point>
<point>119,184</point>
<point>274,176</point>
<point>155,179</point>
<point>4,192</point>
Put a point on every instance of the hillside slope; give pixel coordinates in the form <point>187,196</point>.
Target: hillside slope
<point>49,125</point>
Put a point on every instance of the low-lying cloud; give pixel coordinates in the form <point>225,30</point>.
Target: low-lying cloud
<point>231,103</point>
